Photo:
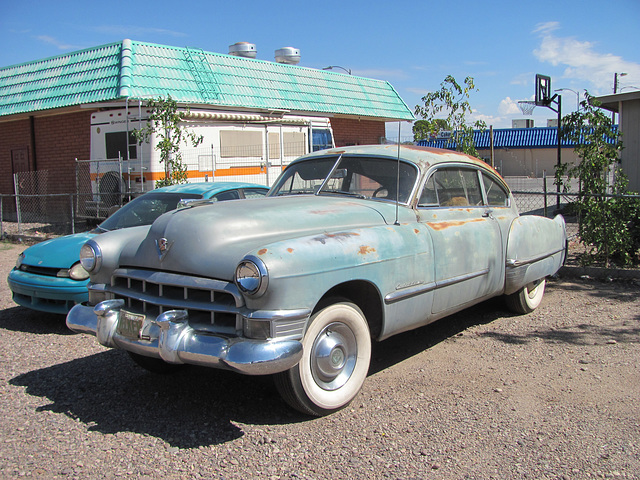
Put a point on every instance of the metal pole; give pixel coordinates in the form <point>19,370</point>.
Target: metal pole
<point>491,143</point>
<point>73,220</point>
<point>15,187</point>
<point>559,99</point>
<point>544,187</point>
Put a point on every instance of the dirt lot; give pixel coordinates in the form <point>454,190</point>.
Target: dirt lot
<point>481,395</point>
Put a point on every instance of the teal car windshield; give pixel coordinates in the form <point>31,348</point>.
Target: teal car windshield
<point>144,210</point>
<point>377,178</point>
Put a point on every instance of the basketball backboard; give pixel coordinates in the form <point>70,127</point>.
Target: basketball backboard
<point>543,90</point>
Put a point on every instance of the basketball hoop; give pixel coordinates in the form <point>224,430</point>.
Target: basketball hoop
<point>526,106</point>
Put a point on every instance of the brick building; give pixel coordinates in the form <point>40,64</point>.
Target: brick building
<point>46,105</point>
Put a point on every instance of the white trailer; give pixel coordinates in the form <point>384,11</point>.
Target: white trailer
<point>236,146</point>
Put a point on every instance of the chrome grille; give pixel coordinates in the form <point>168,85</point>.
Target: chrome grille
<point>213,305</point>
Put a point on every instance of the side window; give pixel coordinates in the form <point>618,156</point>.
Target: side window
<point>229,195</point>
<point>254,192</point>
<point>428,195</point>
<point>496,196</point>
<point>452,187</point>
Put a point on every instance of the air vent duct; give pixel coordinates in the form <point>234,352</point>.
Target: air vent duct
<point>243,49</point>
<point>288,55</point>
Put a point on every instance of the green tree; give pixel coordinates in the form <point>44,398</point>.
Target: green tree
<point>166,121</point>
<point>453,100</point>
<point>424,129</point>
<point>607,224</point>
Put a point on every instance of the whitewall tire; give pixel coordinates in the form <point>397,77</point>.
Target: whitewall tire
<point>335,361</point>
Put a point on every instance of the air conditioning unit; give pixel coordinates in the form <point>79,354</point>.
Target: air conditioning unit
<point>522,123</point>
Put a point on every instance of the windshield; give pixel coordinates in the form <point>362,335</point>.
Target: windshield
<point>363,177</point>
<point>144,210</point>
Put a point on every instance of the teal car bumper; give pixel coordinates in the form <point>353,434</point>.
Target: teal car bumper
<point>46,294</point>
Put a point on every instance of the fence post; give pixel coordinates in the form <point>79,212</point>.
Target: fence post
<point>544,187</point>
<point>73,219</point>
<point>1,219</point>
<point>15,187</point>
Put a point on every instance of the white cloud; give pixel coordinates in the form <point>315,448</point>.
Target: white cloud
<point>508,106</point>
<point>581,61</point>
<point>132,31</point>
<point>418,91</point>
<point>380,74</point>
<point>57,43</point>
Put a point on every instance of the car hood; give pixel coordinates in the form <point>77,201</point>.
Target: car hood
<point>61,252</point>
<point>210,240</point>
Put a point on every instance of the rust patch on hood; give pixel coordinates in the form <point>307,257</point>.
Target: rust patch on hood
<point>262,251</point>
<point>290,250</point>
<point>335,236</point>
<point>364,249</point>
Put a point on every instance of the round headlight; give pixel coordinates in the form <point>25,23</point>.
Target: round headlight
<point>252,277</point>
<point>78,272</point>
<point>90,256</point>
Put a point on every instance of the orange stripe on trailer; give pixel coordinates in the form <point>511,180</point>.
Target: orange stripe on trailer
<point>222,172</point>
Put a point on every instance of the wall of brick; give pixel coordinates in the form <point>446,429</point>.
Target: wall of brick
<point>348,131</point>
<point>54,144</point>
<point>58,140</point>
<point>13,136</point>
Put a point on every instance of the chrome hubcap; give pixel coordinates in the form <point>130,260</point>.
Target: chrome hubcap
<point>333,356</point>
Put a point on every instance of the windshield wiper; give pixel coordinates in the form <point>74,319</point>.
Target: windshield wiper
<point>339,192</point>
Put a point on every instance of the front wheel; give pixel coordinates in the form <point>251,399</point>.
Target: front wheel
<point>334,364</point>
<point>528,298</point>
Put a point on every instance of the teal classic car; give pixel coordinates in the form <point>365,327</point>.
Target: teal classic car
<point>351,245</point>
<point>48,276</point>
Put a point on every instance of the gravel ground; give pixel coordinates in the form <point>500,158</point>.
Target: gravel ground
<point>481,395</point>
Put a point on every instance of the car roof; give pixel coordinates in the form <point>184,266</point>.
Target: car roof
<point>208,189</point>
<point>424,157</point>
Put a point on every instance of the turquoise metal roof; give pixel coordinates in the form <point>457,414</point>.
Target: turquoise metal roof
<point>142,70</point>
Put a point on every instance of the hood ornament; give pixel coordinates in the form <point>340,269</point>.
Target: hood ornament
<point>163,245</point>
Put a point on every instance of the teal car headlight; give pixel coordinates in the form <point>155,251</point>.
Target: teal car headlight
<point>19,261</point>
<point>78,272</point>
<point>91,257</point>
<point>252,276</point>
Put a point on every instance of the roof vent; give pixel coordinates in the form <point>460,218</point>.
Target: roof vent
<point>288,55</point>
<point>243,49</point>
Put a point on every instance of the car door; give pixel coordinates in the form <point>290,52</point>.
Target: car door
<point>467,242</point>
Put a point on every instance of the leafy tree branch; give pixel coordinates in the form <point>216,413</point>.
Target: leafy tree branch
<point>166,121</point>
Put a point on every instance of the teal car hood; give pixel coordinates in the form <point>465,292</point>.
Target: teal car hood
<point>211,240</point>
<point>61,252</point>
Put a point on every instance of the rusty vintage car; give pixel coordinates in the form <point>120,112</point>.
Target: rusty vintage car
<point>351,245</point>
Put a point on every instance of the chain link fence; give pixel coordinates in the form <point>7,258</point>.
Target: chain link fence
<point>102,187</point>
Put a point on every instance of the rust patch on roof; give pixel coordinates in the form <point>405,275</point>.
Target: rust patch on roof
<point>416,230</point>
<point>364,249</point>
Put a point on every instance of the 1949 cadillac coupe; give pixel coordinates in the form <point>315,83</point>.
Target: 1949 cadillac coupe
<point>351,245</point>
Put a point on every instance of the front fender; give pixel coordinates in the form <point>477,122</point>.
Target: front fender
<point>303,269</point>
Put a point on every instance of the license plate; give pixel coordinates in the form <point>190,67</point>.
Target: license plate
<point>130,324</point>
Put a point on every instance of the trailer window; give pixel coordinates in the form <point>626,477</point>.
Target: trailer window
<point>322,139</point>
<point>117,145</point>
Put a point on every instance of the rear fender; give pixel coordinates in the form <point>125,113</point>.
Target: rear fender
<point>536,248</point>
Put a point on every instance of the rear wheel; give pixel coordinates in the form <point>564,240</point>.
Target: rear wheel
<point>155,365</point>
<point>334,364</point>
<point>528,298</point>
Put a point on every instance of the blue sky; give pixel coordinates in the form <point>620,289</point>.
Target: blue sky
<point>413,45</point>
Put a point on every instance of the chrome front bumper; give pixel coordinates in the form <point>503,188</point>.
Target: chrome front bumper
<point>170,338</point>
